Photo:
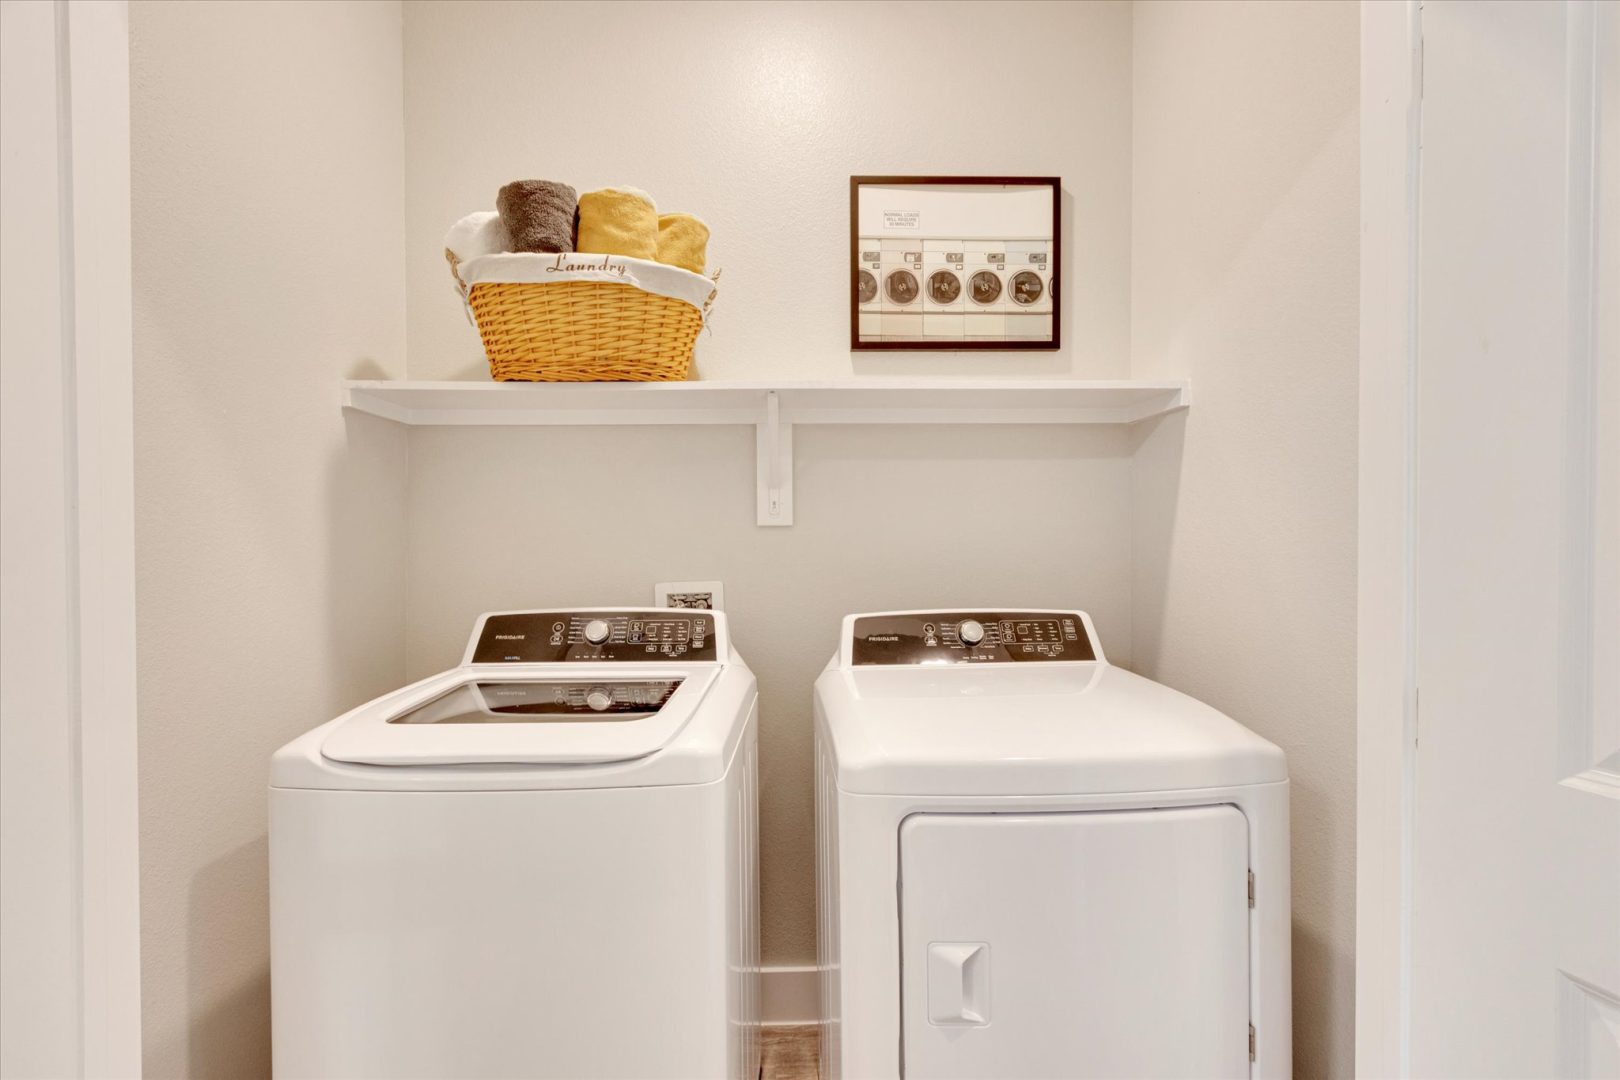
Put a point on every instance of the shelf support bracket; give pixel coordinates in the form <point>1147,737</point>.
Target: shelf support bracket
<point>773,444</point>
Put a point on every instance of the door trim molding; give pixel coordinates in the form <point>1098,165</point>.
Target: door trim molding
<point>1386,699</point>
<point>1582,703</point>
<point>93,100</point>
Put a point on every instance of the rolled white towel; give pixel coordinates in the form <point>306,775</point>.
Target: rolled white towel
<point>477,234</point>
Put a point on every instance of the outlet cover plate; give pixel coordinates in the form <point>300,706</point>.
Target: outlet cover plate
<point>690,594</point>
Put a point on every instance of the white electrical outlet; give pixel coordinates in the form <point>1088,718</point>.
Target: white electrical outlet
<point>690,594</point>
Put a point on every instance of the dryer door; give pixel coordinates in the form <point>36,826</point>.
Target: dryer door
<point>1105,944</point>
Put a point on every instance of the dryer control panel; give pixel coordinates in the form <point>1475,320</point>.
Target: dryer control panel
<point>969,637</point>
<point>555,637</point>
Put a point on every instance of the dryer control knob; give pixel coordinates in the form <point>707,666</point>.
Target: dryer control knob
<point>970,632</point>
<point>599,699</point>
<point>596,631</point>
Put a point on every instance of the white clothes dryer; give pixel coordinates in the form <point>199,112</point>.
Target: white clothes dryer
<point>540,863</point>
<point>1034,864</point>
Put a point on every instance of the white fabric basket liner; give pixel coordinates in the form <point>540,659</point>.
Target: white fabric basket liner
<point>529,268</point>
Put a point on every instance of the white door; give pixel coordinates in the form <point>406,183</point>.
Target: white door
<point>1107,944</point>
<point>1515,881</point>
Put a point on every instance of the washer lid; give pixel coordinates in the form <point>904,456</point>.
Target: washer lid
<point>525,714</point>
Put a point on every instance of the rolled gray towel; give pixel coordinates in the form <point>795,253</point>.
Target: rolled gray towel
<point>538,214</point>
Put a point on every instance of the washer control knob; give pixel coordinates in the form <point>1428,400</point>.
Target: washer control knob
<point>596,631</point>
<point>599,699</point>
<point>970,632</point>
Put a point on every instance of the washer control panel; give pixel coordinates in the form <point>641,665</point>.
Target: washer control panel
<point>969,637</point>
<point>542,637</point>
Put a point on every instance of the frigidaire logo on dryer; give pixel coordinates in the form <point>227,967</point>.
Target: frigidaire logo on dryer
<point>511,637</point>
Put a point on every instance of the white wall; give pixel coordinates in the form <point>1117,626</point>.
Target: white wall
<point>1244,277</point>
<point>754,116</point>
<point>268,203</point>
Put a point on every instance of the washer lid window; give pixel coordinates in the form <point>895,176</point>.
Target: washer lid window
<point>548,701</point>
<point>538,716</point>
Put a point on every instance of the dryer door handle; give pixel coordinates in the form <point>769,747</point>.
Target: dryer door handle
<point>959,983</point>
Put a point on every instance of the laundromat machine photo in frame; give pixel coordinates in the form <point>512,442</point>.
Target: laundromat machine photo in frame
<point>954,262</point>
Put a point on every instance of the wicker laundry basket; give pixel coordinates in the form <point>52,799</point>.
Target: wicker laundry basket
<point>582,331</point>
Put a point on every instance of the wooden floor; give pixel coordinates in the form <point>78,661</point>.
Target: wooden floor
<point>789,1053</point>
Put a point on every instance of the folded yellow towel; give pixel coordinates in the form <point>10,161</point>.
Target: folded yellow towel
<point>618,221</point>
<point>683,241</point>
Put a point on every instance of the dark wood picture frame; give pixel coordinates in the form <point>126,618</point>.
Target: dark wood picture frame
<point>856,344</point>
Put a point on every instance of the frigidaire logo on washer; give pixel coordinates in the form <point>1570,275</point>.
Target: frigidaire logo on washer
<point>510,637</point>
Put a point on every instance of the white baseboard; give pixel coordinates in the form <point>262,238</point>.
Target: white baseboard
<point>789,995</point>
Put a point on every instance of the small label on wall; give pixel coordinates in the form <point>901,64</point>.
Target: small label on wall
<point>902,219</point>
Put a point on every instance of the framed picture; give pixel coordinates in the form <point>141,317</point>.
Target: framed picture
<point>954,262</point>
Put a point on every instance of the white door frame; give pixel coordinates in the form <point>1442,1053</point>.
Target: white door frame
<point>93,435</point>
<point>1386,690</point>
<point>97,43</point>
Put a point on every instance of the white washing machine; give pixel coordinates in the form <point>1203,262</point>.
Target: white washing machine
<point>902,282</point>
<point>1034,864</point>
<point>869,287</point>
<point>1028,276</point>
<point>943,299</point>
<point>985,289</point>
<point>1029,295</point>
<point>540,863</point>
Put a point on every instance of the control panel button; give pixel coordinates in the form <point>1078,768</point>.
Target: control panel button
<point>596,631</point>
<point>599,699</point>
<point>970,632</point>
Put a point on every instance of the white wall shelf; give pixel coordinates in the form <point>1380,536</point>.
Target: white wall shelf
<point>772,407</point>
